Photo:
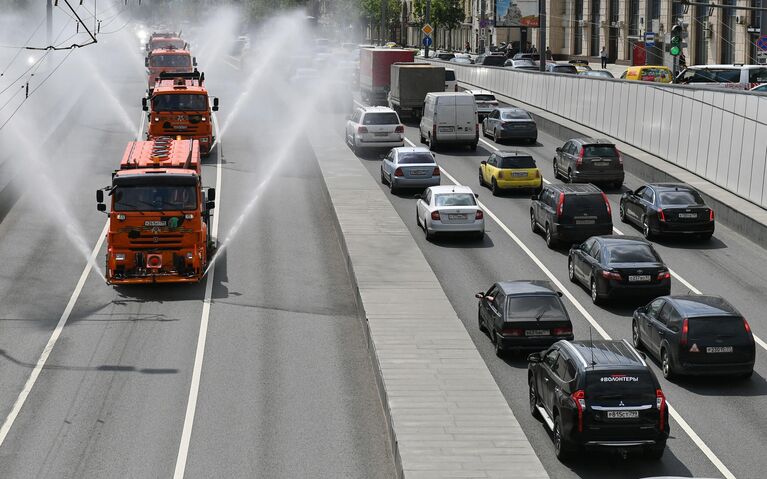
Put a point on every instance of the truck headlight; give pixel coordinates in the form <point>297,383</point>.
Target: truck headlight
<point>121,217</point>
<point>189,256</point>
<point>119,256</point>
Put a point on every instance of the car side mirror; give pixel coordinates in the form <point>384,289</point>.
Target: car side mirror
<point>479,295</point>
<point>211,194</point>
<point>100,196</point>
<point>418,196</point>
<point>476,195</point>
<point>483,162</point>
<point>144,105</point>
<point>215,104</point>
<point>559,150</point>
<point>209,205</point>
<point>194,61</point>
<point>101,207</point>
<point>559,293</point>
<point>534,197</point>
<point>146,62</point>
<point>641,310</point>
<point>534,358</point>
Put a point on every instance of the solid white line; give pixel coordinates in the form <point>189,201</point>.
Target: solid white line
<point>194,387</point>
<point>674,414</point>
<point>21,399</point>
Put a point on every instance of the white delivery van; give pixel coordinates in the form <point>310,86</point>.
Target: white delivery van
<point>449,117</point>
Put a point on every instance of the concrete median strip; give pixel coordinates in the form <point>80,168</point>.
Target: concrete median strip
<point>447,416</point>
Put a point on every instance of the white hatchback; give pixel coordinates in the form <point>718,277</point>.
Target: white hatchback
<point>374,127</point>
<point>450,209</point>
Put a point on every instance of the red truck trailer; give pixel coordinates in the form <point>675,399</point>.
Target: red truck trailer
<point>375,64</point>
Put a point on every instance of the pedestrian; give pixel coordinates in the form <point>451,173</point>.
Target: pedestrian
<point>548,53</point>
<point>467,47</point>
<point>603,57</point>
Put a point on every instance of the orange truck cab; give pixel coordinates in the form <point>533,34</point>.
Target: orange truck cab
<point>165,40</point>
<point>159,215</point>
<point>179,105</point>
<point>168,60</point>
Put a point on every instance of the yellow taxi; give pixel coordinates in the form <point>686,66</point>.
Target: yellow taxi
<point>509,170</point>
<point>652,73</point>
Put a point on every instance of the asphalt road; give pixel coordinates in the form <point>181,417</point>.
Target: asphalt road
<point>286,386</point>
<point>726,414</point>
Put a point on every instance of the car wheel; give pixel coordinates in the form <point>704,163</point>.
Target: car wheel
<point>617,185</point>
<point>417,218</point>
<point>595,298</point>
<point>622,213</point>
<point>494,188</point>
<point>533,394</point>
<point>484,131</point>
<point>495,135</point>
<point>432,144</point>
<point>706,236</point>
<point>665,364</point>
<point>355,150</point>
<point>747,375</point>
<point>569,175</point>
<point>636,339</point>
<point>480,236</point>
<point>481,323</point>
<point>550,241</point>
<point>646,231</point>
<point>393,189</point>
<point>571,270</point>
<point>481,180</point>
<point>473,146</point>
<point>498,345</point>
<point>561,448</point>
<point>421,138</point>
<point>533,224</point>
<point>383,178</point>
<point>429,236</point>
<point>534,141</point>
<point>556,170</point>
<point>655,452</point>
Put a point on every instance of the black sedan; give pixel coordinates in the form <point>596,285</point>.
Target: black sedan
<point>667,208</point>
<point>510,124</point>
<point>618,265</point>
<point>523,315</point>
<point>695,335</point>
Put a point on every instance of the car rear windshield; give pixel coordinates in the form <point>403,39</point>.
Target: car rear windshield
<point>713,327</point>
<point>548,306</point>
<point>591,204</point>
<point>380,119</point>
<point>654,72</point>
<point>600,151</point>
<point>680,198</point>
<point>712,75</point>
<point>494,60</point>
<point>516,162</point>
<point>413,158</point>
<point>483,97</point>
<point>455,199</point>
<point>619,384</point>
<point>450,74</point>
<point>757,75</point>
<point>516,115</point>
<point>565,69</point>
<point>631,253</point>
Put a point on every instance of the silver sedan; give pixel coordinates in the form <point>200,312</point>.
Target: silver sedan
<point>450,209</point>
<point>407,167</point>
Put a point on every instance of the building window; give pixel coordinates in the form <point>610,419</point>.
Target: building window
<point>578,14</point>
<point>634,18</point>
<point>654,10</point>
<point>756,16</point>
<point>701,42</point>
<point>728,32</point>
<point>595,27</point>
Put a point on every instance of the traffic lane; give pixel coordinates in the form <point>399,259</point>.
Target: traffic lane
<point>287,387</point>
<point>731,398</point>
<point>464,267</point>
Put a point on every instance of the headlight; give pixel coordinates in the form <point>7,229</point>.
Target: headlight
<point>119,256</point>
<point>121,217</point>
<point>189,256</point>
<point>189,216</point>
<point>156,118</point>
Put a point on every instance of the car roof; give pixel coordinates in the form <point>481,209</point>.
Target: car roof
<point>610,240</point>
<point>510,108</point>
<point>443,189</point>
<point>592,141</point>
<point>692,306</point>
<point>527,287</point>
<point>377,109</point>
<point>574,188</point>
<point>607,353</point>
<point>731,66</point>
<point>480,92</point>
<point>671,186</point>
<point>412,149</point>
<point>449,93</point>
<point>512,154</point>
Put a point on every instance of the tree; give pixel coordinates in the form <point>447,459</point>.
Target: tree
<point>447,14</point>
<point>371,10</point>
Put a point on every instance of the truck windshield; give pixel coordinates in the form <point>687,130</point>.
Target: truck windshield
<point>154,198</point>
<point>167,43</point>
<point>170,61</point>
<point>179,102</point>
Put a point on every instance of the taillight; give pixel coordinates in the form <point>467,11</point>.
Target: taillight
<point>560,204</point>
<point>479,215</point>
<point>612,275</point>
<point>563,331</point>
<point>400,129</point>
<point>747,326</point>
<point>664,275</point>
<point>456,87</point>
<point>579,398</point>
<point>476,129</point>
<point>435,172</point>
<point>434,128</point>
<point>537,174</point>
<point>661,216</point>
<point>398,172</point>
<point>685,329</point>
<point>500,174</point>
<point>579,161</point>
<point>711,215</point>
<point>362,129</point>
<point>513,332</point>
<point>660,403</point>
<point>607,203</point>
<point>620,158</point>
<point>435,215</point>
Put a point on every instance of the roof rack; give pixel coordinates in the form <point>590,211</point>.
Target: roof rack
<point>195,75</point>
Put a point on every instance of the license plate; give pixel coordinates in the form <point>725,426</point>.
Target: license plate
<point>639,278</point>
<point>155,223</point>
<point>381,134</point>
<point>417,172</point>
<point>600,163</point>
<point>719,349</point>
<point>622,414</point>
<point>519,174</point>
<point>688,215</point>
<point>536,332</point>
<point>446,128</point>
<point>584,222</point>
<point>456,217</point>
<point>179,127</point>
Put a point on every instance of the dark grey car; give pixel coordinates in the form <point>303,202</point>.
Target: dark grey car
<point>589,160</point>
<point>510,124</point>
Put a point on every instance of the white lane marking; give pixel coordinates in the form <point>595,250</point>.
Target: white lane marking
<point>21,399</point>
<point>194,387</point>
<point>673,412</point>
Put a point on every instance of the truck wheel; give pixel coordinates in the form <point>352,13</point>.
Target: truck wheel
<point>473,146</point>
<point>432,143</point>
<point>420,134</point>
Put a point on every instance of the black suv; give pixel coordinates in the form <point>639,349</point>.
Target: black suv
<point>523,315</point>
<point>667,208</point>
<point>491,59</point>
<point>570,213</point>
<point>695,335</point>
<point>589,160</point>
<point>598,394</point>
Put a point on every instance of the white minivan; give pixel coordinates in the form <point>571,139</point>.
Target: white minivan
<point>449,117</point>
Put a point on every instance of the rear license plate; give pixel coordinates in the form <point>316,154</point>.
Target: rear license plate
<point>584,222</point>
<point>638,278</point>
<point>536,332</point>
<point>446,128</point>
<point>688,215</point>
<point>622,414</point>
<point>381,134</point>
<point>600,163</point>
<point>417,172</point>
<point>456,217</point>
<point>519,174</point>
<point>719,349</point>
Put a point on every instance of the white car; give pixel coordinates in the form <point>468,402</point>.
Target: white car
<point>450,209</point>
<point>451,84</point>
<point>374,127</point>
<point>486,102</point>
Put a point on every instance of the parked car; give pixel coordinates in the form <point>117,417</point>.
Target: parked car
<point>449,209</point>
<point>464,60</point>
<point>535,57</point>
<point>446,56</point>
<point>566,68</point>
<point>760,88</point>
<point>451,84</point>
<point>695,335</point>
<point>651,73</point>
<point>509,170</point>
<point>510,124</point>
<point>523,315</point>
<point>739,77</point>
<point>449,117</point>
<point>618,265</point>
<point>486,102</point>
<point>490,59</point>
<point>571,213</point>
<point>374,127</point>
<point>589,160</point>
<point>597,73</point>
<point>407,167</point>
<point>524,63</point>
<point>667,208</point>
<point>598,394</point>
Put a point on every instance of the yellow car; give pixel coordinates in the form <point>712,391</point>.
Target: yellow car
<point>655,73</point>
<point>508,170</point>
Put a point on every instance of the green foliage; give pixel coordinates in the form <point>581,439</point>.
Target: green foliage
<point>371,10</point>
<point>447,13</point>
<point>264,8</point>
